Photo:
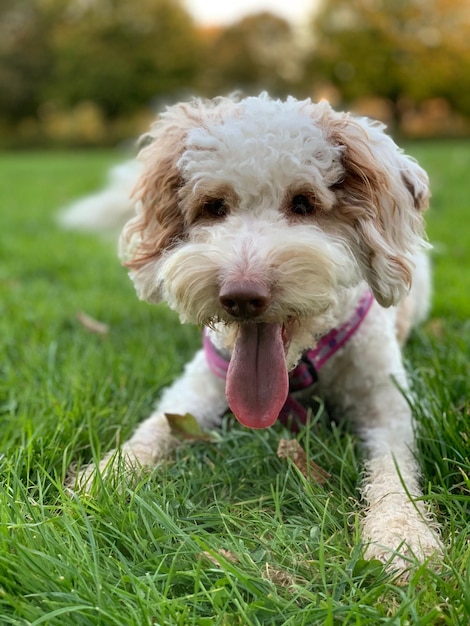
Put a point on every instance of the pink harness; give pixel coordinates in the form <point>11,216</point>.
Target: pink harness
<point>305,374</point>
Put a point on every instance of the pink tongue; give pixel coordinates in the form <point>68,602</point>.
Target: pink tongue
<point>257,379</point>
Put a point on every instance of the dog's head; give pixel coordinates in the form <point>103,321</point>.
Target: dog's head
<point>231,166</point>
<point>265,211</point>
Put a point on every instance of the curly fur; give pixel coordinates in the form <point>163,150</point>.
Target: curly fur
<point>298,208</point>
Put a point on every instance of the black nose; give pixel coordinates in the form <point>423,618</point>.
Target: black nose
<point>244,299</point>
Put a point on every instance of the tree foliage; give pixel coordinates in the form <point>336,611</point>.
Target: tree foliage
<point>26,56</point>
<point>258,52</point>
<point>122,54</point>
<point>103,61</point>
<point>394,48</point>
<point>116,53</point>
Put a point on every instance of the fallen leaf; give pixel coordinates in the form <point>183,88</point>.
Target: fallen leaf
<point>436,327</point>
<point>92,325</point>
<point>226,554</point>
<point>281,578</point>
<point>186,427</point>
<point>291,449</point>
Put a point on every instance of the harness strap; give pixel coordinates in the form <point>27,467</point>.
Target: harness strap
<point>330,343</point>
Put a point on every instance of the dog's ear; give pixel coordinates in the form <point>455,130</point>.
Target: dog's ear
<point>159,223</point>
<point>381,197</point>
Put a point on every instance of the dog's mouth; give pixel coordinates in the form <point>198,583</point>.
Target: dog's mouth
<point>257,378</point>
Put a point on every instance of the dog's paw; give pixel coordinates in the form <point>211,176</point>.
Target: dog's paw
<point>152,442</point>
<point>82,480</point>
<point>400,534</point>
<point>118,467</point>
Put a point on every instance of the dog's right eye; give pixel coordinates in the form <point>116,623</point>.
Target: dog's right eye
<point>215,207</point>
<point>301,205</point>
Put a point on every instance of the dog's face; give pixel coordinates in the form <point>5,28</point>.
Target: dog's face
<point>259,213</point>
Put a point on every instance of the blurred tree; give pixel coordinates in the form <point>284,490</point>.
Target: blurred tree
<point>122,54</point>
<point>25,56</point>
<point>258,52</point>
<point>59,58</point>
<point>394,49</point>
<point>447,38</point>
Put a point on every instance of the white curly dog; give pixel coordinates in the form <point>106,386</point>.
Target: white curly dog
<point>294,235</point>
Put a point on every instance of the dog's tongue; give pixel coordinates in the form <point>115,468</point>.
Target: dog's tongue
<point>257,379</point>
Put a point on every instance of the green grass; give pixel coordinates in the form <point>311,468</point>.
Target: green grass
<point>448,164</point>
<point>154,554</point>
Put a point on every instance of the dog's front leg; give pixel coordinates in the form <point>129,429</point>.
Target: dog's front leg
<point>197,392</point>
<point>368,382</point>
<point>397,525</point>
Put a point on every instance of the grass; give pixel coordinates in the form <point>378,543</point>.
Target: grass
<point>228,534</point>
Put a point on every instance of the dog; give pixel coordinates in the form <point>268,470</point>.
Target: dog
<point>293,234</point>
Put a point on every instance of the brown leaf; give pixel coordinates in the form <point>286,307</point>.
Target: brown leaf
<point>281,578</point>
<point>226,554</point>
<point>186,427</point>
<point>92,325</point>
<point>436,327</point>
<point>291,449</point>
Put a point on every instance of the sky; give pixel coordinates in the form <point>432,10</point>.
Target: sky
<point>226,11</point>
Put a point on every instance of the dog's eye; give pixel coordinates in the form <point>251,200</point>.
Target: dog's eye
<point>301,205</point>
<point>215,207</point>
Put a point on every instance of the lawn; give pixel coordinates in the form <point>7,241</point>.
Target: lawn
<point>228,534</point>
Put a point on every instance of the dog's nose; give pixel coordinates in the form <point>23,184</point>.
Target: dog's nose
<point>244,299</point>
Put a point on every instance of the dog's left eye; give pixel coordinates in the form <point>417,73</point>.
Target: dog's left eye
<point>301,205</point>
<point>215,207</point>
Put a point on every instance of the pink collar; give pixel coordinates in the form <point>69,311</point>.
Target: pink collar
<point>305,373</point>
<point>330,343</point>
